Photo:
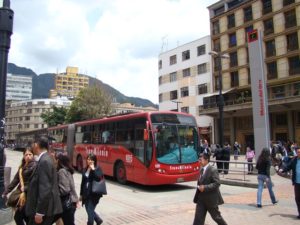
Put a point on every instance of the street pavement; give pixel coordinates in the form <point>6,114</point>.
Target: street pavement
<point>172,204</point>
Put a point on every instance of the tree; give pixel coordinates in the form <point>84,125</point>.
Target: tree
<point>54,116</point>
<point>91,102</point>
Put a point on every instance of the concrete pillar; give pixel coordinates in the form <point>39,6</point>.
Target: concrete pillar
<point>291,122</point>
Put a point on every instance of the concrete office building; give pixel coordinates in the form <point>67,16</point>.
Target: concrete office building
<point>184,79</point>
<point>279,21</point>
<point>25,116</point>
<point>18,87</point>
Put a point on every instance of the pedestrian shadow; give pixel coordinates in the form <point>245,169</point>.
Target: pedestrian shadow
<point>291,216</point>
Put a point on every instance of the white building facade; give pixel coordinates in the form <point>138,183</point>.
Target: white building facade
<point>185,79</point>
<point>18,88</point>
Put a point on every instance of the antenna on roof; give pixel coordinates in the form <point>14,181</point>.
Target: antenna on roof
<point>164,45</point>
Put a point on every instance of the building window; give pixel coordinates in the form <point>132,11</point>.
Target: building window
<point>160,98</point>
<point>219,10</point>
<point>186,72</point>
<point>232,40</point>
<point>231,21</point>
<point>281,119</point>
<point>294,65</point>
<point>272,70</point>
<point>296,89</point>
<point>268,25</point>
<point>234,3</point>
<point>173,59</point>
<point>216,27</point>
<point>267,6</point>
<point>290,19</point>
<point>288,2</point>
<point>186,55</point>
<point>270,48</point>
<point>216,83</point>
<point>184,91</point>
<point>248,14</point>
<point>292,42</point>
<point>173,76</point>
<point>234,79</point>
<point>202,68</point>
<point>185,109</point>
<point>160,80</point>
<point>201,50</point>
<point>217,45</point>
<point>173,95</point>
<point>247,30</point>
<point>233,59</point>
<point>159,64</point>
<point>202,89</point>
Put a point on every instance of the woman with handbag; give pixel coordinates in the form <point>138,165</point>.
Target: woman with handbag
<point>17,198</point>
<point>68,195</point>
<point>88,198</point>
<point>263,166</point>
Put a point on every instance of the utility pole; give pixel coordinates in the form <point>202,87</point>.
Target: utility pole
<point>6,27</point>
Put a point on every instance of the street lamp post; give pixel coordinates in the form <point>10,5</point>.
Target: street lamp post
<point>177,102</point>
<point>6,25</point>
<point>219,57</point>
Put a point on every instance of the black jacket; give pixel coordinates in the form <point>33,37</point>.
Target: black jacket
<point>292,166</point>
<point>86,185</point>
<point>26,173</point>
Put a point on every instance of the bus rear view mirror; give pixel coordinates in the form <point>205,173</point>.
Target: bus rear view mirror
<point>146,135</point>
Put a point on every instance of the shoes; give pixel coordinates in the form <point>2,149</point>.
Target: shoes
<point>298,217</point>
<point>258,205</point>
<point>100,222</point>
<point>274,203</point>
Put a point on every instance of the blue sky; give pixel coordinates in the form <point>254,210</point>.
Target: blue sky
<point>117,41</point>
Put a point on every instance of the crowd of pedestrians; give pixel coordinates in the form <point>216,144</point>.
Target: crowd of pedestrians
<point>45,180</point>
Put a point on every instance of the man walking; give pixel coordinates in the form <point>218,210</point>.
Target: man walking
<point>294,165</point>
<point>208,195</point>
<point>43,201</point>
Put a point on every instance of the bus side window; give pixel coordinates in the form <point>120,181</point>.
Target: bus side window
<point>87,137</point>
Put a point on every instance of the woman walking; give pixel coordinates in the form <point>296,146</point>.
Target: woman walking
<point>249,157</point>
<point>89,199</point>
<point>67,190</point>
<point>263,166</point>
<point>21,181</point>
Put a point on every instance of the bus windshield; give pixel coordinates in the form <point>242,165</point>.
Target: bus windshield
<point>176,143</point>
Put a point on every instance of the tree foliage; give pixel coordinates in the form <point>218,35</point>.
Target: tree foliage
<point>91,102</point>
<point>54,116</point>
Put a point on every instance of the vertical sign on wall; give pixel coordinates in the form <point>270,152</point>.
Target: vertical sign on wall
<point>259,92</point>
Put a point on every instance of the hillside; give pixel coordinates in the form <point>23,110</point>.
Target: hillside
<point>44,82</point>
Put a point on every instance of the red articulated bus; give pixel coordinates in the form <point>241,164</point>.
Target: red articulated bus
<point>149,148</point>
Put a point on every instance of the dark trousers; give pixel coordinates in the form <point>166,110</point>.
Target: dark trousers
<point>46,221</point>
<point>92,215</point>
<point>250,166</point>
<point>68,216</point>
<point>226,167</point>
<point>20,217</point>
<point>297,196</point>
<point>214,212</point>
<point>220,167</point>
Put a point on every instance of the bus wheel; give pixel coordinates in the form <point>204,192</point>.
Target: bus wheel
<point>121,173</point>
<point>79,164</point>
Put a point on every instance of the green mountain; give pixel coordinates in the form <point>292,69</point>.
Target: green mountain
<point>41,84</point>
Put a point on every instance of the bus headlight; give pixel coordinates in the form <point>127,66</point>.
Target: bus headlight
<point>160,170</point>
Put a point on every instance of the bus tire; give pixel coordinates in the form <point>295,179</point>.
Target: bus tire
<point>79,164</point>
<point>121,173</point>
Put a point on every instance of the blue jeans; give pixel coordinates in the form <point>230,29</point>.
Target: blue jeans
<point>92,215</point>
<point>261,180</point>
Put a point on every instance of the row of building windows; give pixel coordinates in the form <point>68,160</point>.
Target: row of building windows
<point>184,92</point>
<point>201,50</point>
<point>201,68</point>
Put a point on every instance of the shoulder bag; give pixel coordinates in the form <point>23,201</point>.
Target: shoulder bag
<point>99,187</point>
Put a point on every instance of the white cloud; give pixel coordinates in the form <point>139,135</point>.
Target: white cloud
<point>116,41</point>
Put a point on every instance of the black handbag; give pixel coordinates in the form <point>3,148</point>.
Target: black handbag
<point>99,187</point>
<point>66,202</point>
<point>13,199</point>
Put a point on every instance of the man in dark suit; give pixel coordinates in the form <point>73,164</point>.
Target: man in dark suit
<point>43,201</point>
<point>208,195</point>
